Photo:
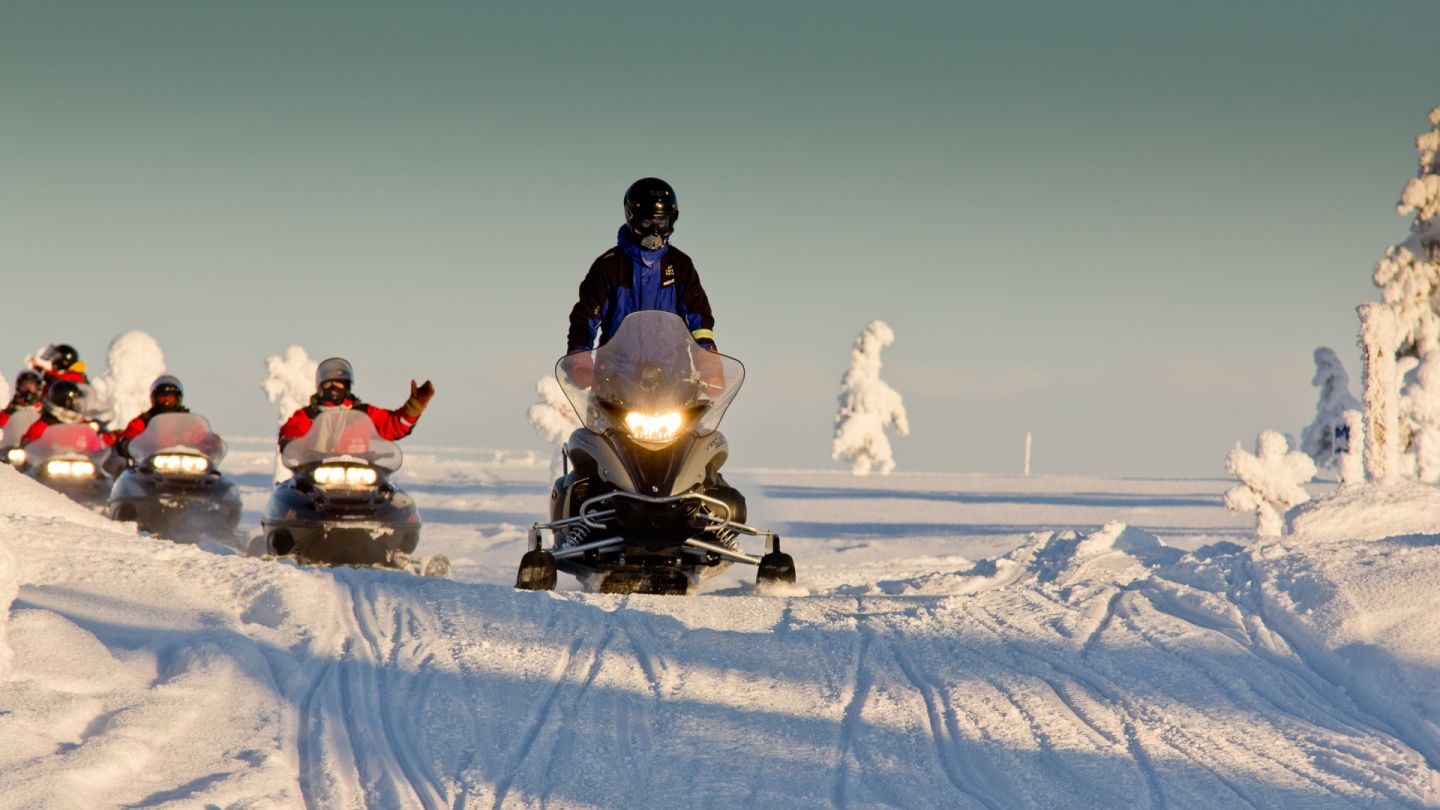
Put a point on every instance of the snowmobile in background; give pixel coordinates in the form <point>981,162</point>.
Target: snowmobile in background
<point>175,488</point>
<point>642,507</point>
<point>339,507</point>
<point>13,432</point>
<point>70,458</point>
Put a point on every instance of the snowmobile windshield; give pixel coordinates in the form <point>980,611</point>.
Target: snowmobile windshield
<point>178,433</point>
<point>68,442</point>
<point>14,430</point>
<point>650,370</point>
<point>342,436</point>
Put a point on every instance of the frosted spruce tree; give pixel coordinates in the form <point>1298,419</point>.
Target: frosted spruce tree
<point>1328,437</point>
<point>868,406</point>
<point>553,417</point>
<point>289,382</point>
<point>132,363</point>
<point>1271,481</point>
<point>1409,281</point>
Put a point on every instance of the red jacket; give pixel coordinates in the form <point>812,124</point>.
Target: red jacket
<point>391,425</point>
<point>54,376</point>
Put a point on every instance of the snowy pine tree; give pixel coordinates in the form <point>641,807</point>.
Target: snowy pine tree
<point>1409,275</point>
<point>122,393</point>
<point>1379,336</point>
<point>1325,438</point>
<point>868,405</point>
<point>553,417</point>
<point>1420,412</point>
<point>1271,481</point>
<point>1409,280</point>
<point>289,382</point>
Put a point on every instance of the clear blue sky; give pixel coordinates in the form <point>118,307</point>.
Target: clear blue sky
<point>1122,226</point>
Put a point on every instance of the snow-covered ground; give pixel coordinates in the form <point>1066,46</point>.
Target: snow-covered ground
<point>956,641</point>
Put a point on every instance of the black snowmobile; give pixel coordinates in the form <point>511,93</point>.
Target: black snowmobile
<point>175,488</point>
<point>642,507</point>
<point>339,507</point>
<point>71,458</point>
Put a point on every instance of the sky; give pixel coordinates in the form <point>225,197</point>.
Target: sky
<point>1120,226</point>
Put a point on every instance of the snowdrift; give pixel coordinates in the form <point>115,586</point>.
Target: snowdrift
<point>1077,667</point>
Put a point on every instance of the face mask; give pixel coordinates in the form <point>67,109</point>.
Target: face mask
<point>333,393</point>
<point>653,230</point>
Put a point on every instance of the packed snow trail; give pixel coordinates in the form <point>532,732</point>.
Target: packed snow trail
<point>1100,667</point>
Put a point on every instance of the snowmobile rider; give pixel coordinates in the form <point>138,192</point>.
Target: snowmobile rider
<point>166,396</point>
<point>333,378</point>
<point>28,390</point>
<point>60,361</point>
<point>65,405</point>
<point>643,271</point>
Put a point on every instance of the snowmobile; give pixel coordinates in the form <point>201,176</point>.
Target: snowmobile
<point>642,507</point>
<point>339,507</point>
<point>14,430</point>
<point>174,487</point>
<point>70,458</point>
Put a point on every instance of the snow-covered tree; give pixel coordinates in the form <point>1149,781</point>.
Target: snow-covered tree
<point>1420,413</point>
<point>4,390</point>
<point>1323,439</point>
<point>1409,275</point>
<point>122,393</point>
<point>1379,335</point>
<point>1271,481</point>
<point>868,405</point>
<point>289,382</point>
<point>553,417</point>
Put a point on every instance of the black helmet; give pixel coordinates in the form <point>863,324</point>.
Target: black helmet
<point>337,372</point>
<point>28,387</point>
<point>651,210</point>
<point>60,356</point>
<point>66,401</point>
<point>166,385</point>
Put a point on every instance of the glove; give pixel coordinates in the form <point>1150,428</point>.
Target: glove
<point>419,397</point>
<point>712,372</point>
<point>580,368</point>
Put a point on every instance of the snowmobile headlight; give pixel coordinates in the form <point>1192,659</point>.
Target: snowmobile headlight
<point>182,463</point>
<point>15,456</point>
<point>334,475</point>
<point>69,469</point>
<point>659,427</point>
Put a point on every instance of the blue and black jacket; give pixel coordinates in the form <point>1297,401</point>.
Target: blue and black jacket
<point>627,278</point>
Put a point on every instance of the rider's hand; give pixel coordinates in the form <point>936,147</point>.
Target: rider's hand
<point>419,397</point>
<point>580,368</point>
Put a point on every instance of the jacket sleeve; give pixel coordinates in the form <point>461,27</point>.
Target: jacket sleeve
<point>391,425</point>
<point>589,310</point>
<point>697,311</point>
<point>296,426</point>
<point>5,417</point>
<point>135,428</point>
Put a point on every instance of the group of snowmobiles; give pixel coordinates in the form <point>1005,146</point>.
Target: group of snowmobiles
<point>640,508</point>
<point>167,480</point>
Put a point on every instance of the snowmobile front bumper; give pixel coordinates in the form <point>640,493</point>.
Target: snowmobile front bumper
<point>342,542</point>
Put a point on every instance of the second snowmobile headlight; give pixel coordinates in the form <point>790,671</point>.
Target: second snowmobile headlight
<point>334,475</point>
<point>659,427</point>
<point>69,469</point>
<point>183,463</point>
<point>16,456</point>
